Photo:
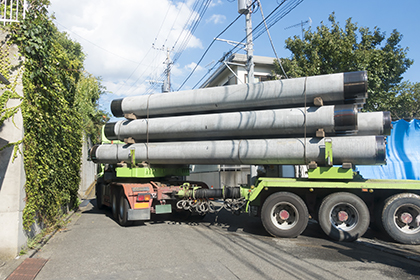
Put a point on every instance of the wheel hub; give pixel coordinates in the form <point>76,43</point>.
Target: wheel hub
<point>284,215</point>
<point>343,216</point>
<point>406,218</point>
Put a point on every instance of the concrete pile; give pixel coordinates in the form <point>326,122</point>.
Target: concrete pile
<point>274,122</point>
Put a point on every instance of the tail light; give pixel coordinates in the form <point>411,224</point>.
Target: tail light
<point>143,197</point>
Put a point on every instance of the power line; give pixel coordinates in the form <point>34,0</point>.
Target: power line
<point>273,18</point>
<point>262,27</point>
<point>205,52</point>
<point>164,18</point>
<point>191,30</point>
<point>271,41</point>
<point>132,73</point>
<point>197,12</point>
<point>136,62</point>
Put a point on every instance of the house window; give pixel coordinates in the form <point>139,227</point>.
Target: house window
<point>259,78</point>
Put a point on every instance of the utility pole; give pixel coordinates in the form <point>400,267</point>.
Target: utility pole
<point>166,87</point>
<point>244,7</point>
<point>166,84</point>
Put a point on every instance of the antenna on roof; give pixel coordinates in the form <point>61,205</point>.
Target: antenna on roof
<point>301,24</point>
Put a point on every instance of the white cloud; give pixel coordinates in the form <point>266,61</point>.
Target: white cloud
<point>117,37</point>
<point>216,19</point>
<point>215,3</point>
<point>192,65</point>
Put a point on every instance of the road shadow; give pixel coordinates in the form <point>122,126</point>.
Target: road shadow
<point>225,221</point>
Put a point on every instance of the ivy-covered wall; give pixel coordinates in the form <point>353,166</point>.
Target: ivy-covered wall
<point>52,141</point>
<point>59,106</point>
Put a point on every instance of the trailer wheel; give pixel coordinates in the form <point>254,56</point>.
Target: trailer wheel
<point>343,216</point>
<point>401,218</point>
<point>99,194</point>
<point>123,207</point>
<point>284,214</point>
<point>114,204</point>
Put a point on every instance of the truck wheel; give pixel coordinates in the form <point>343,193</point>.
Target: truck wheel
<point>343,216</point>
<point>99,195</point>
<point>115,200</point>
<point>284,214</point>
<point>123,209</point>
<point>401,218</point>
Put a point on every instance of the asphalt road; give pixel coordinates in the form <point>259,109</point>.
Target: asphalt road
<point>93,246</point>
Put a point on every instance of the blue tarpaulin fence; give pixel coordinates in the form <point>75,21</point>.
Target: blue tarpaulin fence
<point>402,153</point>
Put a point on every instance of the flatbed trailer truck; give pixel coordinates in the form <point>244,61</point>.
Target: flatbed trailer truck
<point>144,174</point>
<point>343,203</point>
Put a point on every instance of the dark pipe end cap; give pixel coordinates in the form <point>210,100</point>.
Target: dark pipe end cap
<point>109,131</point>
<point>116,108</point>
<point>387,123</point>
<point>92,153</point>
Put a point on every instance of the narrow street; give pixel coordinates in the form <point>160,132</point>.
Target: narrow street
<point>94,246</point>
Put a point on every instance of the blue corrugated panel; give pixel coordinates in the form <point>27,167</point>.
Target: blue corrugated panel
<point>402,152</point>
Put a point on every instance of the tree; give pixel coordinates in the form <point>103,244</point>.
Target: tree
<point>88,91</point>
<point>407,101</point>
<point>334,50</point>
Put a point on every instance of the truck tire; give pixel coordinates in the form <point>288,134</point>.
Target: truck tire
<point>343,216</point>
<point>114,202</point>
<point>99,195</point>
<point>284,214</point>
<point>123,207</point>
<point>401,218</point>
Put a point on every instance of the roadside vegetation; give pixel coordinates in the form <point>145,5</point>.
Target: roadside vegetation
<point>334,49</point>
<point>59,107</point>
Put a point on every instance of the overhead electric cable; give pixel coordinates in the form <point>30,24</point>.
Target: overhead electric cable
<point>205,52</point>
<point>271,41</point>
<point>136,62</point>
<point>176,19</point>
<point>132,73</point>
<point>152,86</point>
<point>184,43</point>
<point>164,19</point>
<point>273,18</point>
<point>197,13</point>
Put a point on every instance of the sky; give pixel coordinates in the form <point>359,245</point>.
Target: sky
<point>126,42</point>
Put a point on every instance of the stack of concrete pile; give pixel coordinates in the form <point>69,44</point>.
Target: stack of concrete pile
<point>274,122</point>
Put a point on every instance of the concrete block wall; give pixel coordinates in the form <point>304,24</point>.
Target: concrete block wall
<point>12,173</point>
<point>88,170</point>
